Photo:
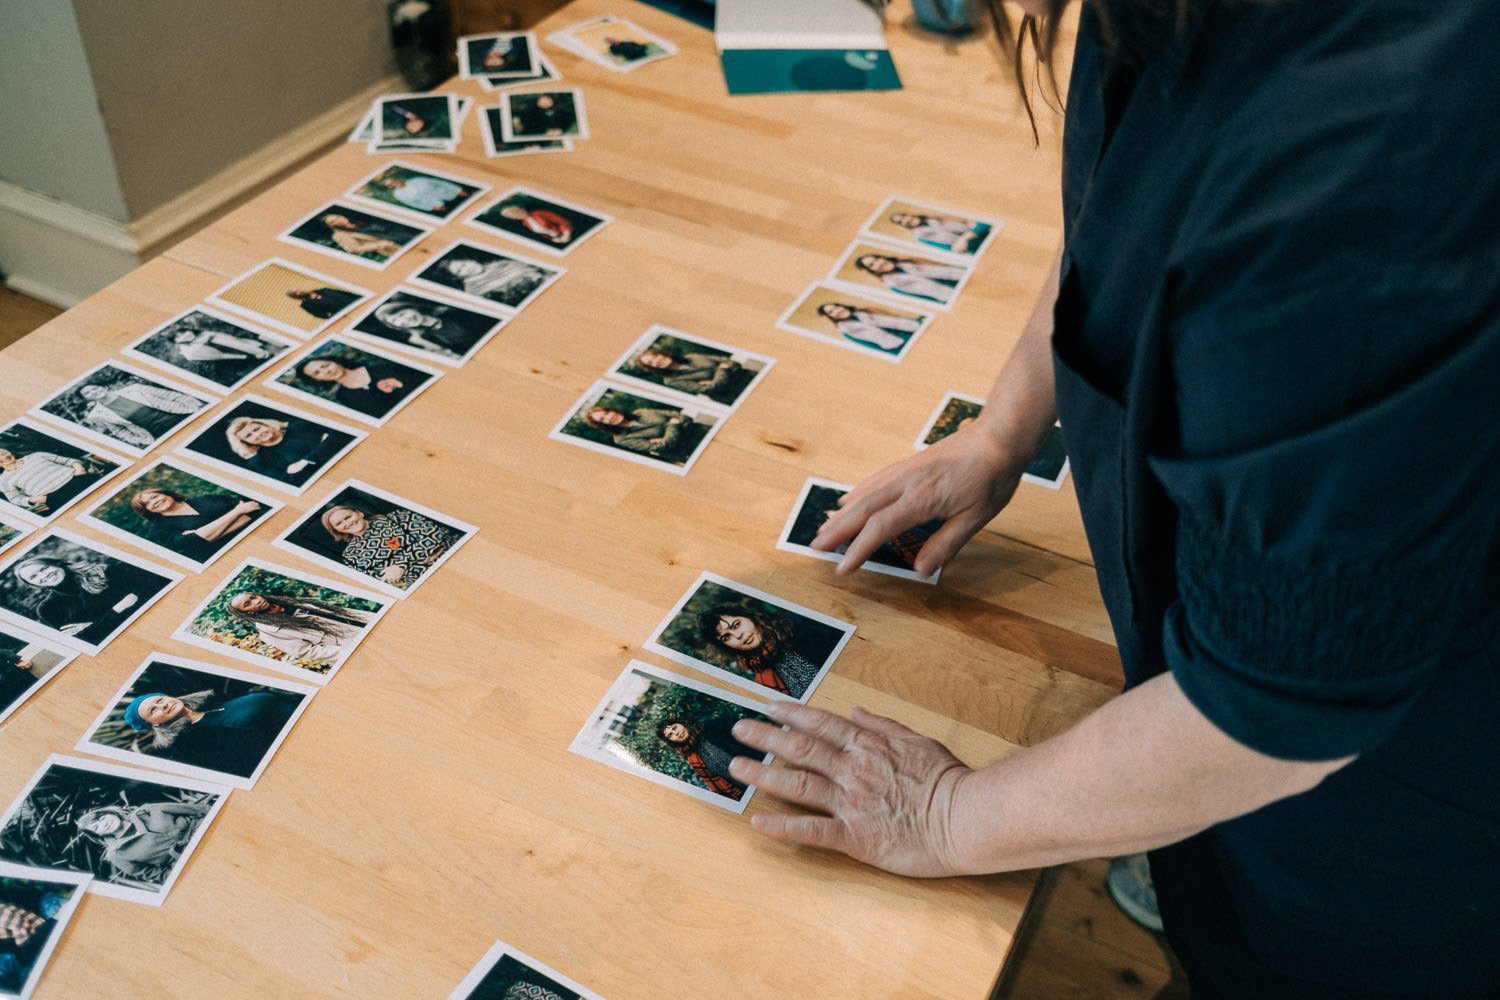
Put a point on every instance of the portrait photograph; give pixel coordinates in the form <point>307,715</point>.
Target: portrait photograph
<point>416,120</point>
<point>1050,466</point>
<point>123,407</point>
<point>271,443</point>
<point>209,350</point>
<point>13,528</point>
<point>37,905</point>
<point>435,328</point>
<point>78,592</point>
<point>955,412</point>
<point>354,234</point>
<point>542,114</point>
<point>133,831</point>
<point>841,315</point>
<point>768,646</point>
<point>358,382</point>
<point>27,663</point>
<point>383,541</point>
<point>283,619</point>
<point>496,145</point>
<point>43,472</point>
<point>187,516</point>
<point>817,500</point>
<point>423,192</point>
<point>196,719</point>
<point>691,369</point>
<point>924,227</point>
<point>498,55</point>
<point>639,427</point>
<point>546,70</point>
<point>614,43</point>
<point>903,274</point>
<point>540,220</point>
<point>289,298</point>
<point>487,275</point>
<point>506,973</point>
<point>673,731</point>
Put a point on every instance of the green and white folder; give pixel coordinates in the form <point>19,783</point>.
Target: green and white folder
<point>791,45</point>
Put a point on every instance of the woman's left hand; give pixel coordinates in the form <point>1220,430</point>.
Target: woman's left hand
<point>884,794</point>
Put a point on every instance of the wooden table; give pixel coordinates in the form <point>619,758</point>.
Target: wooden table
<point>427,804</point>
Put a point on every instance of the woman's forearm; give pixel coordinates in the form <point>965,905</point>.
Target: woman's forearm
<point>227,524</point>
<point>1022,402</point>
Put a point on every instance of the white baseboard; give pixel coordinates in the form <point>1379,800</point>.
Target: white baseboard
<point>62,254</point>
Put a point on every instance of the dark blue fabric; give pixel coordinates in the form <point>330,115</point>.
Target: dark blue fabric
<point>1278,356</point>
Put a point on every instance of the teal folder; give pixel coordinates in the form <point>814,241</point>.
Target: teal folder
<point>766,71</point>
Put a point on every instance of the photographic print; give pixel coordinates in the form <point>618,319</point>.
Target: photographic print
<point>289,298</point>
<point>818,499</point>
<point>78,592</point>
<point>542,114</point>
<point>13,529</point>
<point>359,382</point>
<point>426,193</point>
<point>495,144</point>
<point>672,731</point>
<point>36,905</point>
<point>954,413</point>
<point>840,315</point>
<point>543,221</point>
<point>349,233</point>
<point>488,275</point>
<point>27,663</point>
<point>646,429</point>
<point>209,350</point>
<point>284,619</point>
<point>902,273</point>
<point>435,328</point>
<point>195,719</point>
<point>499,55</point>
<point>691,369</point>
<point>417,120</point>
<point>614,43</point>
<point>132,830</point>
<point>546,71</point>
<point>923,227</point>
<point>380,539</point>
<point>44,472</point>
<point>271,443</point>
<point>184,516</point>
<point>506,973</point>
<point>123,407</point>
<point>749,638</point>
<point>1050,466</point>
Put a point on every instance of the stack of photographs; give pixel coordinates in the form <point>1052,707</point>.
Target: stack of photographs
<point>614,43</point>
<point>541,121</point>
<point>413,123</point>
<point>956,411</point>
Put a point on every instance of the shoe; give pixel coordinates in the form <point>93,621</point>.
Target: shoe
<point>1130,886</point>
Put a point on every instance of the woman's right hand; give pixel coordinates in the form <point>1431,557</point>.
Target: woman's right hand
<point>245,507</point>
<point>393,573</point>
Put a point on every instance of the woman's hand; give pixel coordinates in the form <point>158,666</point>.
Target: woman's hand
<point>245,507</point>
<point>393,573</point>
<point>389,384</point>
<point>883,793</point>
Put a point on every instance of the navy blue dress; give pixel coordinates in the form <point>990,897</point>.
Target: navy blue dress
<point>1277,351</point>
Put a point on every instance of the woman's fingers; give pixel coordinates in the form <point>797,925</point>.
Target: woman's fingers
<point>811,831</point>
<point>794,784</point>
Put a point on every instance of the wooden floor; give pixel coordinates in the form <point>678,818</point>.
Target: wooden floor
<point>1075,945</point>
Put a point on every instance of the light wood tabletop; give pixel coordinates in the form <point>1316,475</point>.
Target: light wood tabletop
<point>427,803</point>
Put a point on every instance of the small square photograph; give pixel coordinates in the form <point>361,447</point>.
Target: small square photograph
<point>289,298</point>
<point>747,637</point>
<point>691,369</point>
<point>123,407</point>
<point>954,413</point>
<point>27,663</point>
<point>495,144</point>
<point>37,905</point>
<point>924,227</point>
<point>543,114</point>
<point>348,233</point>
<point>364,132</point>
<point>13,529</point>
<point>78,592</point>
<point>415,120</point>
<point>501,55</point>
<point>209,350</point>
<point>1050,466</point>
<point>283,619</point>
<point>837,314</point>
<point>359,382</point>
<point>546,71</point>
<point>271,443</point>
<point>132,830</point>
<point>506,973</point>
<point>380,539</point>
<point>672,731</point>
<point>543,221</point>
<point>186,516</point>
<point>44,472</point>
<point>638,427</point>
<point>903,274</point>
<point>199,720</point>
<point>818,499</point>
<point>426,193</point>
<point>615,43</point>
<point>487,275</point>
<point>435,328</point>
